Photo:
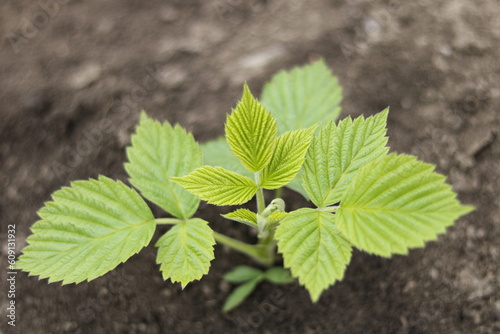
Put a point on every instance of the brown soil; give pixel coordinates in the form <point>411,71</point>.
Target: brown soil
<point>74,75</point>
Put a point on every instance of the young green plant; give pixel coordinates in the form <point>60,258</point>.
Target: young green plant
<point>363,197</point>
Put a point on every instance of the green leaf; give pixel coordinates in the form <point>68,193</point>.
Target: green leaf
<point>87,230</point>
<point>337,153</point>
<point>303,97</point>
<point>217,153</point>
<point>276,204</point>
<point>218,186</point>
<point>251,132</point>
<point>288,157</point>
<point>362,141</point>
<point>313,248</point>
<point>276,217</point>
<point>239,294</point>
<point>242,274</point>
<point>158,152</point>
<point>243,216</point>
<point>185,251</point>
<point>318,168</point>
<point>278,275</point>
<point>396,203</point>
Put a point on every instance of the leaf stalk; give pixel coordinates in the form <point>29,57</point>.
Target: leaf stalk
<point>253,251</point>
<point>261,204</point>
<point>168,221</point>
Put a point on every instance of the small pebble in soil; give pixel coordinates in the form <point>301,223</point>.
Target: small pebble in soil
<point>253,64</point>
<point>207,290</point>
<point>409,286</point>
<point>172,76</point>
<point>372,27</point>
<point>85,75</point>
<point>262,58</point>
<point>166,292</point>
<point>224,286</point>
<point>69,326</point>
<point>434,273</point>
<point>446,50</point>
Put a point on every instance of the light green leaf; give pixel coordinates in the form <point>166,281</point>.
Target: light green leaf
<point>217,153</point>
<point>185,251</point>
<point>87,230</point>
<point>251,132</point>
<point>243,216</point>
<point>239,295</point>
<point>337,153</point>
<point>276,204</point>
<point>303,97</point>
<point>276,217</point>
<point>278,275</point>
<point>242,274</point>
<point>158,152</point>
<point>360,141</point>
<point>313,248</point>
<point>397,203</point>
<point>218,186</point>
<point>288,156</point>
<point>318,169</point>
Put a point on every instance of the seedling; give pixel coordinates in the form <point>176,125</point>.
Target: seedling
<point>363,197</point>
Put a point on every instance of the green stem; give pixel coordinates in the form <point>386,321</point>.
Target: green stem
<point>168,221</point>
<point>261,204</point>
<point>252,251</point>
<point>267,245</point>
<point>278,192</point>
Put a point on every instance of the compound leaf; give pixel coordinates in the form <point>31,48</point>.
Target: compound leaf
<point>313,248</point>
<point>239,294</point>
<point>337,153</point>
<point>303,97</point>
<point>397,203</point>
<point>251,132</point>
<point>242,274</point>
<point>218,186</point>
<point>243,216</point>
<point>185,251</point>
<point>288,157</point>
<point>158,152</point>
<point>87,230</point>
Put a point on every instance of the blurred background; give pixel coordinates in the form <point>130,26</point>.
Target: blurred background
<point>75,74</point>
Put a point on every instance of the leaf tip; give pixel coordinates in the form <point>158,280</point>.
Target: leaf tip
<point>315,296</point>
<point>385,112</point>
<point>466,209</point>
<point>312,128</point>
<point>143,115</point>
<point>176,179</point>
<point>246,89</point>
